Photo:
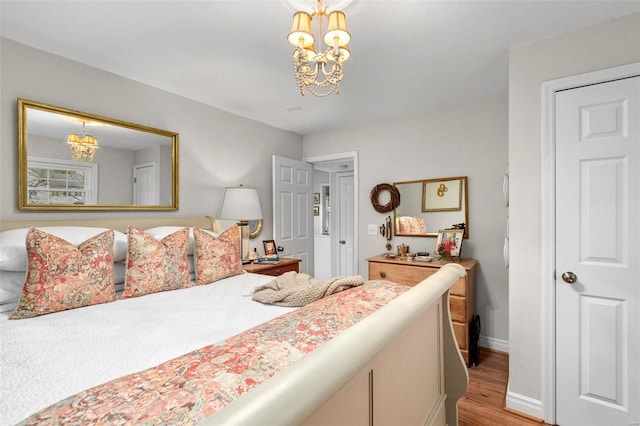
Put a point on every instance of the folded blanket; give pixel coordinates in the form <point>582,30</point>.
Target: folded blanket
<point>297,289</point>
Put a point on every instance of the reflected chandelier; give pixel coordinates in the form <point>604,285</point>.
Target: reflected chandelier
<point>83,148</point>
<point>308,65</point>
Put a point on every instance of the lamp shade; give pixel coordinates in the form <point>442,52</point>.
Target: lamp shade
<point>301,30</point>
<point>337,30</point>
<point>310,53</point>
<point>240,203</point>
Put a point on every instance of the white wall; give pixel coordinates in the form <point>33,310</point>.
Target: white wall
<point>470,140</point>
<point>606,45</point>
<point>217,149</point>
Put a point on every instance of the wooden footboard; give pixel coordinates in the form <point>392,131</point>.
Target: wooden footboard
<point>400,365</point>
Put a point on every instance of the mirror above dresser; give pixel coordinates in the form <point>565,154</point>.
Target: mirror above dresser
<point>429,205</point>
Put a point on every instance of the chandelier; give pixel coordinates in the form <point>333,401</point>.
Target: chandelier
<point>83,148</point>
<point>311,63</point>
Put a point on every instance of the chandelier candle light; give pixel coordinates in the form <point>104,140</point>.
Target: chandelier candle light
<point>83,148</point>
<point>307,64</point>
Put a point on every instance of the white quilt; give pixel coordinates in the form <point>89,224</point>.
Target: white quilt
<point>47,358</point>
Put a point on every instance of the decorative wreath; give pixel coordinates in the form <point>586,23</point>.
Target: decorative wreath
<point>394,197</point>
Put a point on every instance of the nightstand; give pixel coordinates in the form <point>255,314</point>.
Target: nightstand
<point>285,265</point>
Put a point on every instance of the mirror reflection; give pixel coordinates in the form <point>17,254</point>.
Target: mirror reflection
<point>69,160</point>
<point>427,206</point>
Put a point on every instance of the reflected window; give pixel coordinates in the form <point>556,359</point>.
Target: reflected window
<point>52,181</point>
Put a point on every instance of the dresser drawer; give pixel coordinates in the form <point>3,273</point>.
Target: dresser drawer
<point>398,273</point>
<point>459,288</point>
<point>410,275</point>
<point>460,330</point>
<point>458,306</point>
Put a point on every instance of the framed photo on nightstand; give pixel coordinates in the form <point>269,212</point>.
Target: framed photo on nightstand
<point>269,247</point>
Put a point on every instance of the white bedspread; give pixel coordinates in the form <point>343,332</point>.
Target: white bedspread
<point>48,358</point>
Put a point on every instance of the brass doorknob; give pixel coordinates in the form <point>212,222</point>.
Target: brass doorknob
<point>569,277</point>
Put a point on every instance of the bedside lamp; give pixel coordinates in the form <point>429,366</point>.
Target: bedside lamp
<point>242,204</point>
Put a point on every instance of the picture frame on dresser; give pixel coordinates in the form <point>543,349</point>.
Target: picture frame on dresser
<point>449,242</point>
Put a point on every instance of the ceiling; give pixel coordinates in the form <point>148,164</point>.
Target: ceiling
<point>406,56</point>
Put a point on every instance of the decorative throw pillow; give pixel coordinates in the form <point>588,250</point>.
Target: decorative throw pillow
<point>160,232</point>
<point>62,276</point>
<point>417,225</point>
<point>13,251</point>
<point>403,225</point>
<point>153,265</point>
<point>217,257</point>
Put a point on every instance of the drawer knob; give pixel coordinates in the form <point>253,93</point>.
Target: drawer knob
<point>383,275</point>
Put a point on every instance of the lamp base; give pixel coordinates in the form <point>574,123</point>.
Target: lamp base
<point>244,241</point>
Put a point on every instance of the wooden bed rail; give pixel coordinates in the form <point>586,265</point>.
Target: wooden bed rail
<point>298,394</point>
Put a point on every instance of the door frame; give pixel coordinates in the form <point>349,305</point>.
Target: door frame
<point>353,156</point>
<point>548,184</point>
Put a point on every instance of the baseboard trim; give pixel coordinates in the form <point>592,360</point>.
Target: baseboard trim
<point>524,406</point>
<point>523,415</point>
<point>498,345</point>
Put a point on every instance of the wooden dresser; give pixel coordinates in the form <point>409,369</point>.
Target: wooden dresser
<point>462,298</point>
<point>285,265</point>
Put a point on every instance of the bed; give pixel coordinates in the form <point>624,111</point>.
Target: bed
<point>379,353</point>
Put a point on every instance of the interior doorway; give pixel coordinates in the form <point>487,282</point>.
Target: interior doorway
<point>336,224</point>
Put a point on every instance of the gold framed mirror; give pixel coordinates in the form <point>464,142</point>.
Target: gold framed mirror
<point>429,205</point>
<point>72,160</point>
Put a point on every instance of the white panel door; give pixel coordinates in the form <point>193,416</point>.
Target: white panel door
<point>346,266</point>
<point>597,235</point>
<point>292,210</point>
<point>145,186</point>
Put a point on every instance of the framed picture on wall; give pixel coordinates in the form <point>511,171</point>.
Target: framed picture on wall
<point>449,242</point>
<point>440,195</point>
<point>316,198</point>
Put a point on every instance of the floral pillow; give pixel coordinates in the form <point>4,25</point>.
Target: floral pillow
<point>217,257</point>
<point>153,265</point>
<point>61,276</point>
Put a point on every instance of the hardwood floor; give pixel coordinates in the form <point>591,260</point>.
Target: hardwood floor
<point>483,402</point>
